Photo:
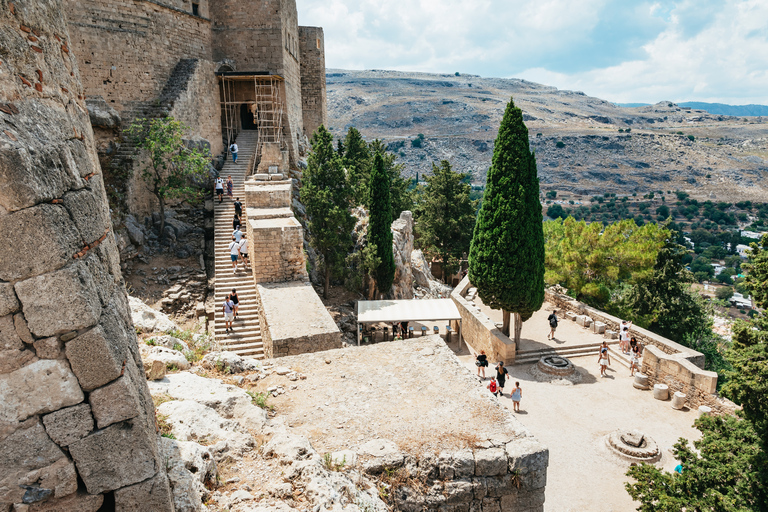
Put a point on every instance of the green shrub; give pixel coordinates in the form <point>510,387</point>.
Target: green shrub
<point>418,141</point>
<point>560,144</point>
<point>691,137</point>
<point>260,399</point>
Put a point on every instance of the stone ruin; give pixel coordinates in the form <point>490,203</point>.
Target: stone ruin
<point>77,423</point>
<point>634,445</point>
<point>556,365</point>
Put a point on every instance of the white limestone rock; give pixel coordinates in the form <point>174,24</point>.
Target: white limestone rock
<point>230,360</point>
<point>147,319</point>
<point>167,356</point>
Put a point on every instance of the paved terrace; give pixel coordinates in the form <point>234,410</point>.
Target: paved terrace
<point>572,420</point>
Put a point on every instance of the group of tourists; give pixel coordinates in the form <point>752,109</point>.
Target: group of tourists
<point>496,386</point>
<point>238,247</point>
<point>628,345</point>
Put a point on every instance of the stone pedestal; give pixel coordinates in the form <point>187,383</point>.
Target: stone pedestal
<point>704,410</point>
<point>678,400</point>
<point>598,327</point>
<point>641,381</point>
<point>661,392</point>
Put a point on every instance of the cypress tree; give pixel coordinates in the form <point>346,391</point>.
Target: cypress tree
<point>326,196</point>
<point>379,226</point>
<point>506,258</point>
<point>357,158</point>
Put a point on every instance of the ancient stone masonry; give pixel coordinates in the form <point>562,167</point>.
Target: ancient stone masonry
<point>77,425</point>
<point>151,58</point>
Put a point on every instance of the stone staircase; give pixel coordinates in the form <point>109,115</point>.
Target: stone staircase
<point>245,340</point>
<point>587,349</point>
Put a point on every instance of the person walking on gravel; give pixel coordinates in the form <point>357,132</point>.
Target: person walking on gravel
<point>501,376</point>
<point>229,313</point>
<point>481,363</point>
<point>234,254</point>
<point>220,188</point>
<point>516,395</point>
<point>552,324</point>
<point>493,387</point>
<point>604,359</point>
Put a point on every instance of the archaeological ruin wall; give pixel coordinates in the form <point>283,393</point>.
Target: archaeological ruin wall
<point>313,93</point>
<point>77,424</point>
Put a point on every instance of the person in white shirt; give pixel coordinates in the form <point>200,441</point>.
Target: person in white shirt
<point>220,188</point>
<point>233,150</point>
<point>237,234</point>
<point>234,254</point>
<point>243,247</point>
<point>624,336</point>
<point>229,313</point>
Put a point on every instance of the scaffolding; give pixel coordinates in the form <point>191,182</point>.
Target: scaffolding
<point>265,104</point>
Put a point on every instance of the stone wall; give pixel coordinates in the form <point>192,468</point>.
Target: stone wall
<point>680,374</point>
<point>277,248</point>
<point>194,108</point>
<point>127,49</point>
<point>313,94</point>
<point>478,331</point>
<point>74,404</point>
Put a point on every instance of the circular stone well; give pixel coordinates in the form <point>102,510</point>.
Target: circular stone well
<point>556,365</point>
<point>634,445</point>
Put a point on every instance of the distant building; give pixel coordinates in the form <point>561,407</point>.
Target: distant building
<point>753,234</point>
<point>742,249</point>
<point>718,268</point>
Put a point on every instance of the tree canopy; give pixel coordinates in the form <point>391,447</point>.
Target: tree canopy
<point>506,257</point>
<point>327,197</point>
<point>445,216</point>
<point>174,169</point>
<point>590,261</point>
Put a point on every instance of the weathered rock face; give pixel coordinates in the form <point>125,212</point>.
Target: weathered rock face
<point>426,284</point>
<point>65,325</point>
<point>402,246</point>
<point>147,319</point>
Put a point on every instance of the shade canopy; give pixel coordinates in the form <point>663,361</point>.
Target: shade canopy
<point>372,311</point>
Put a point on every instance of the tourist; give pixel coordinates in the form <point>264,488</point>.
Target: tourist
<point>243,248</point>
<point>501,376</point>
<point>604,359</point>
<point>233,150</point>
<point>404,329</point>
<point>634,356</point>
<point>238,207</point>
<point>493,387</point>
<point>517,394</point>
<point>220,188</point>
<point>624,336</point>
<point>235,301</point>
<point>236,222</point>
<point>552,324</point>
<point>237,234</point>
<point>481,363</point>
<point>229,313</point>
<point>230,186</point>
<point>234,253</point>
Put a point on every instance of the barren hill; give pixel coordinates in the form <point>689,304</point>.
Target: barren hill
<point>576,137</point>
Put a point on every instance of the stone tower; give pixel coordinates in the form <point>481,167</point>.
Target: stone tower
<point>77,424</point>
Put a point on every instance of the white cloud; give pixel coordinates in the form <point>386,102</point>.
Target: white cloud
<point>705,51</point>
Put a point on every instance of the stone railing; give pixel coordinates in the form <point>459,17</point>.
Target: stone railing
<point>664,361</point>
<point>479,331</point>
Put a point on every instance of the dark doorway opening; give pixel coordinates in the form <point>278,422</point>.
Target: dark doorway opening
<point>246,118</point>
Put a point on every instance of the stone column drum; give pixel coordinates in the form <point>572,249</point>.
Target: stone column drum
<point>77,424</point>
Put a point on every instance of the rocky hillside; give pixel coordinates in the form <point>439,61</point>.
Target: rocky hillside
<point>584,145</point>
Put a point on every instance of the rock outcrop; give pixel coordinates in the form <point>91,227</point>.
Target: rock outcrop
<point>402,246</point>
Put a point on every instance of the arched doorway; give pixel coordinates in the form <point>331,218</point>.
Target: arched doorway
<point>246,118</point>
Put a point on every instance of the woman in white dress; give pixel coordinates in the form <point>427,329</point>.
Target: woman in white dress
<point>604,359</point>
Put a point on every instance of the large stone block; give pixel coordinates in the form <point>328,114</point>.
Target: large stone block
<point>490,462</point>
<point>96,358</point>
<point>27,449</point>
<point>13,353</point>
<point>57,480</point>
<point>78,502</point>
<point>43,386</point>
<point>8,301</point>
<point>44,239</point>
<point>88,207</point>
<point>114,402</point>
<point>48,348</point>
<point>59,301</point>
<point>66,426</point>
<point>526,455</point>
<point>153,494</point>
<point>120,455</point>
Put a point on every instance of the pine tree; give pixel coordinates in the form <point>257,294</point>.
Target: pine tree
<point>400,194</point>
<point>379,226</point>
<point>445,216</point>
<point>326,196</point>
<point>506,258</point>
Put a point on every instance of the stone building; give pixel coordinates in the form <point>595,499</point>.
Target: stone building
<point>219,66</point>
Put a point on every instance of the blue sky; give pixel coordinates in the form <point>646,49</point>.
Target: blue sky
<point>618,50</point>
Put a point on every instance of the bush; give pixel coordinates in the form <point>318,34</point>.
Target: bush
<point>691,138</point>
<point>724,293</point>
<point>621,130</point>
<point>418,141</point>
<point>560,144</point>
<point>552,194</point>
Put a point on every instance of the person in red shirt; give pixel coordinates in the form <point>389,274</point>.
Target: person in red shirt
<point>493,387</point>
